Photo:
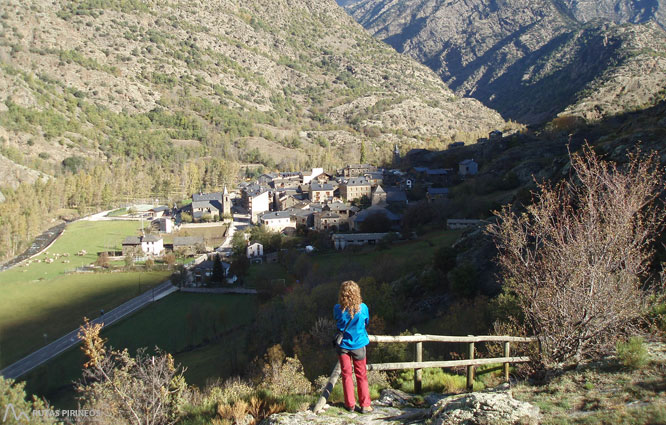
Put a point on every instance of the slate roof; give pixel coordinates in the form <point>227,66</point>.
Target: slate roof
<point>396,196</point>
<point>209,264</point>
<point>361,216</point>
<point>132,240</point>
<point>214,196</point>
<point>207,204</point>
<point>136,240</point>
<point>275,215</point>
<point>358,181</point>
<point>255,190</point>
<point>338,206</point>
<point>315,186</point>
<point>328,214</point>
<point>187,240</point>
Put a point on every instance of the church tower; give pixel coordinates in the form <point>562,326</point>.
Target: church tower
<point>226,202</point>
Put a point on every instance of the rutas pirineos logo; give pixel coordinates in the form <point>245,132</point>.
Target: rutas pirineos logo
<point>22,416</point>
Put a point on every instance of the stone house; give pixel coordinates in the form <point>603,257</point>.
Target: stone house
<point>356,170</point>
<point>327,220</point>
<point>468,167</point>
<point>214,204</point>
<point>157,212</point>
<point>320,192</point>
<point>355,188</point>
<point>302,217</point>
<point>375,177</point>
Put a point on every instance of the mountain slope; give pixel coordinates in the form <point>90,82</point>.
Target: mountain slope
<point>530,60</point>
<point>255,81</point>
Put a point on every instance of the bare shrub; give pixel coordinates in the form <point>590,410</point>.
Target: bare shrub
<point>322,331</point>
<point>143,390</point>
<point>577,258</point>
<point>283,375</point>
<point>235,412</point>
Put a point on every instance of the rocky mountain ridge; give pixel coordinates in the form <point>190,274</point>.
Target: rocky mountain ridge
<point>291,81</point>
<point>531,61</point>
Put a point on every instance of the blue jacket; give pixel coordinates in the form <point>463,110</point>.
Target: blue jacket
<point>355,336</point>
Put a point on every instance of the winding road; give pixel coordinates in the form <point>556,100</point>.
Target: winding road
<point>71,339</point>
<point>51,350</point>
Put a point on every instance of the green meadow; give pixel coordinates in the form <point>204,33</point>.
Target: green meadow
<point>46,299</point>
<point>182,323</point>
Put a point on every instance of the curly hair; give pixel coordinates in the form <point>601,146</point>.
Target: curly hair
<point>349,297</point>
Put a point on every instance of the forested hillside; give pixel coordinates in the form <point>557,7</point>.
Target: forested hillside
<point>135,99</point>
<point>532,60</point>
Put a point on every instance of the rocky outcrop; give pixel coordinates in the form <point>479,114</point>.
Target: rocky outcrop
<point>530,60</point>
<point>484,408</point>
<point>490,407</point>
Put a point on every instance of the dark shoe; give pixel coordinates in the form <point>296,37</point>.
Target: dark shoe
<point>350,409</point>
<point>367,409</point>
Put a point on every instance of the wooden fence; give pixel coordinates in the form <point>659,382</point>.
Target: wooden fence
<point>418,364</point>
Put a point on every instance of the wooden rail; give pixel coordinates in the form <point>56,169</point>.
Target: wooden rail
<point>471,362</point>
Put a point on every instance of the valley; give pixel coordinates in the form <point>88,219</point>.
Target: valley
<point>245,158</point>
<point>531,62</point>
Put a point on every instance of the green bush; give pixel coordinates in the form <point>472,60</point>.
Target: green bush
<point>463,280</point>
<point>435,380</point>
<point>632,354</point>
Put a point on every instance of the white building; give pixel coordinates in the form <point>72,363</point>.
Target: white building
<point>256,199</point>
<point>163,224</point>
<point>152,245</point>
<point>277,221</point>
<point>255,250</point>
<point>313,174</point>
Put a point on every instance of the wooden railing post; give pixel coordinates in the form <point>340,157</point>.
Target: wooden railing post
<point>507,351</point>
<point>470,368</point>
<point>327,389</point>
<point>418,372</point>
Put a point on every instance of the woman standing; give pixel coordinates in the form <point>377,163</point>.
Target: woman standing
<point>351,313</point>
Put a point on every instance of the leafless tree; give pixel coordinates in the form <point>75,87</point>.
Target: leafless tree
<point>578,257</point>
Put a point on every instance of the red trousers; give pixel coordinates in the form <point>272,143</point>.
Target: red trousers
<point>360,371</point>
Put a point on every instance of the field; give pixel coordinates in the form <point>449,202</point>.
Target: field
<point>42,299</point>
<point>406,256</point>
<point>176,324</point>
<point>213,235</point>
